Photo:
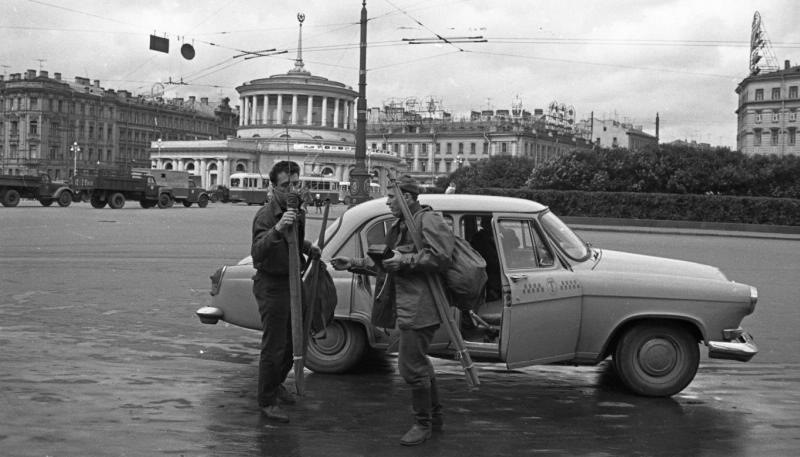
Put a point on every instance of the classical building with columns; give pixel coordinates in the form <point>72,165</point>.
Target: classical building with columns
<point>297,116</point>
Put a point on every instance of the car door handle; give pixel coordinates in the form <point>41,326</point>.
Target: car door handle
<point>517,277</point>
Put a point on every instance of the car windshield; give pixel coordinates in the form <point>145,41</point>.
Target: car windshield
<point>566,239</point>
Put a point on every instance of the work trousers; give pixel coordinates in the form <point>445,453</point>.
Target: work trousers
<point>272,295</point>
<point>415,366</point>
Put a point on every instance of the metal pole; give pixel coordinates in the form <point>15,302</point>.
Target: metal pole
<point>359,177</point>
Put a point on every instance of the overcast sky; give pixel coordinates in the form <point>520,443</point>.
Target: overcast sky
<point>624,59</point>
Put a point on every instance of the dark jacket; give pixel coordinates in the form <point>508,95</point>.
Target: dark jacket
<point>270,249</point>
<point>406,291</point>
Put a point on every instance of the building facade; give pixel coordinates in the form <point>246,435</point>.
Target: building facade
<point>293,116</point>
<point>610,133</point>
<point>432,147</point>
<point>49,125</point>
<point>767,113</point>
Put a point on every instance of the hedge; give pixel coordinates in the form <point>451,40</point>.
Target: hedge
<point>676,207</point>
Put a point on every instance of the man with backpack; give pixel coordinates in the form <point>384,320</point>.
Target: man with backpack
<point>403,297</point>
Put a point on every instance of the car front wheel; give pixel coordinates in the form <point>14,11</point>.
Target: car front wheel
<point>657,360</point>
<point>339,350</point>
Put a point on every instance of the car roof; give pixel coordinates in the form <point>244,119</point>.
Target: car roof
<point>458,203</point>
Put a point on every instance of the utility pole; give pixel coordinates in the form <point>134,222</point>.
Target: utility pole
<point>359,177</point>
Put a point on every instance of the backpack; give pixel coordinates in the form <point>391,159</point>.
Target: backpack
<point>466,277</point>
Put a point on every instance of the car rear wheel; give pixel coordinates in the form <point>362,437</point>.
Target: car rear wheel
<point>657,360</point>
<point>202,201</point>
<point>339,350</point>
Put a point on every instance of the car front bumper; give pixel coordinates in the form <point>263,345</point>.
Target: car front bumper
<point>209,314</point>
<point>736,345</point>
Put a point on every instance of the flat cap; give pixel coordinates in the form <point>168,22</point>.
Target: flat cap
<point>409,184</point>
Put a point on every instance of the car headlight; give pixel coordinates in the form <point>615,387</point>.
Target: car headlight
<point>216,279</point>
<point>753,296</point>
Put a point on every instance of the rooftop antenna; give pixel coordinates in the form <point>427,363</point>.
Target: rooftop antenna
<point>762,59</point>
<point>41,61</point>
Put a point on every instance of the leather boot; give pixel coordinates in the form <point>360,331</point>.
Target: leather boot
<point>421,430</point>
<point>437,419</point>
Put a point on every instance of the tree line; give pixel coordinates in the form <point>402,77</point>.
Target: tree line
<point>659,169</point>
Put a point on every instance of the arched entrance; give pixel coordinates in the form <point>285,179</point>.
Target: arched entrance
<point>213,179</point>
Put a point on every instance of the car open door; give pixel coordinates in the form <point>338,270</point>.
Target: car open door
<point>542,303</point>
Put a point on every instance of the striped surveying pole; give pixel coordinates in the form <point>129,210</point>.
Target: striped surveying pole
<point>439,297</point>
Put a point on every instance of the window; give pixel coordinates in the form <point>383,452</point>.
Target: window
<point>792,137</point>
<point>759,94</point>
<point>776,117</point>
<point>33,127</point>
<point>449,148</point>
<point>523,246</point>
<point>792,116</point>
<point>34,103</point>
<point>472,148</point>
<point>757,137</point>
<point>792,91</point>
<point>485,148</point>
<point>424,149</point>
<point>758,117</point>
<point>460,148</point>
<point>504,147</point>
<point>776,93</point>
<point>773,137</point>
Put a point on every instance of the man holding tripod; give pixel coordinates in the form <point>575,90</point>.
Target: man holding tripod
<point>270,251</point>
<point>403,296</point>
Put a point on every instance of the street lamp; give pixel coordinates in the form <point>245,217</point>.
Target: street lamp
<point>75,150</point>
<point>158,143</point>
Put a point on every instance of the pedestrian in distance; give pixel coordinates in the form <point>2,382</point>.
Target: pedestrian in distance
<point>451,189</point>
<point>403,299</point>
<point>270,251</point>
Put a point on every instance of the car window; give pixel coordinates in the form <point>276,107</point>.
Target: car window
<point>348,249</point>
<point>376,233</point>
<point>565,238</point>
<point>523,246</point>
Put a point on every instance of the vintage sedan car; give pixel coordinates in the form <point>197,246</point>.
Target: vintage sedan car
<point>556,299</point>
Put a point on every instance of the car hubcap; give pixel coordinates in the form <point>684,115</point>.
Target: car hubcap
<point>332,343</point>
<point>658,357</point>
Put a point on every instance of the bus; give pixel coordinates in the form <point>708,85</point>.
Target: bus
<point>344,191</point>
<point>321,187</point>
<point>250,188</point>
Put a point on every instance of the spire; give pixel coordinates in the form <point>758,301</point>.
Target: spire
<point>299,67</point>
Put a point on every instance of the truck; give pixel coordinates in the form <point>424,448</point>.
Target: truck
<point>184,185</point>
<point>108,187</point>
<point>41,187</point>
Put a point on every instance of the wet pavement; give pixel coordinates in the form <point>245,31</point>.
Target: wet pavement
<point>102,356</point>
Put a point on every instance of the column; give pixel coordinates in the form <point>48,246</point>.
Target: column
<point>310,112</point>
<point>324,111</point>
<point>241,116</point>
<point>346,115</point>
<point>246,111</point>
<point>224,171</point>
<point>279,117</point>
<point>351,119</point>
<point>336,114</point>
<point>202,171</point>
<point>266,108</point>
<point>294,109</point>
